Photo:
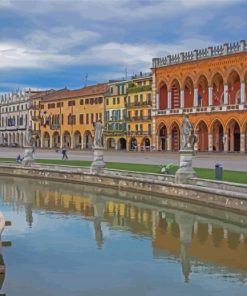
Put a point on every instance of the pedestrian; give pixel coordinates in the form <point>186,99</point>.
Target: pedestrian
<point>64,153</point>
<point>19,159</point>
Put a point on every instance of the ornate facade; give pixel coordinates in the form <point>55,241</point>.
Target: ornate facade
<point>15,117</point>
<point>115,114</point>
<point>211,86</point>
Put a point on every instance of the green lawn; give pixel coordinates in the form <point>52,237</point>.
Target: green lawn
<point>230,176</point>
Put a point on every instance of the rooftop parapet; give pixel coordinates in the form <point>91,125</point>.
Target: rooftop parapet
<point>200,54</point>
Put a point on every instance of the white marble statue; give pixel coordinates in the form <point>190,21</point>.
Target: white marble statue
<point>187,129</point>
<point>98,133</point>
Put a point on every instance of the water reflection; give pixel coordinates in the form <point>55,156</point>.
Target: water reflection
<point>192,234</point>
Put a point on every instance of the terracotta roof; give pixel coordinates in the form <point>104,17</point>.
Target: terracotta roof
<point>41,94</point>
<point>98,89</point>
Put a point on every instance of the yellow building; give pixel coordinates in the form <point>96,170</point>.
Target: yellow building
<point>67,116</point>
<point>139,106</point>
<point>35,113</point>
<point>115,114</point>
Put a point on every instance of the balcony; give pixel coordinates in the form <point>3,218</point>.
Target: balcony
<point>206,109</point>
<point>138,118</point>
<point>147,104</point>
<point>55,126</point>
<point>137,89</point>
<point>139,133</point>
<point>36,118</point>
<point>114,133</point>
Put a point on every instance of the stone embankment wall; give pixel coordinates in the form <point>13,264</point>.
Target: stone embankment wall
<point>218,194</point>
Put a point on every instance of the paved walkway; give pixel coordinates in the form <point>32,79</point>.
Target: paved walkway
<point>231,161</point>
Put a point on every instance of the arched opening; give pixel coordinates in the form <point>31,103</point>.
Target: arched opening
<point>111,143</point>
<point>202,91</point>
<point>234,88</point>
<point>88,140</point>
<point>163,97</point>
<point>175,134</point>
<point>133,144</point>
<point>67,139</point>
<point>202,134</point>
<point>175,92</point>
<point>218,134</point>
<point>46,141</point>
<point>122,144</point>
<point>162,138</point>
<point>188,93</point>
<point>56,140</point>
<point>77,140</point>
<point>146,143</point>
<point>218,90</point>
<point>10,139</point>
<point>233,132</point>
<point>37,141</point>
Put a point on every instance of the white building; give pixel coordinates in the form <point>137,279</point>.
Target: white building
<point>14,117</point>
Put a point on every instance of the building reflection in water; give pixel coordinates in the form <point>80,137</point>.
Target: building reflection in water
<point>214,237</point>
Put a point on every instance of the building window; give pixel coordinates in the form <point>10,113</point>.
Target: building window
<point>87,101</point>
<point>111,90</point>
<point>71,119</point>
<point>149,129</point>
<point>92,101</point>
<point>92,117</point>
<point>118,100</point>
<point>60,105</point>
<point>71,103</point>
<point>136,127</point>
<point>87,118</point>
<point>100,100</point>
<point>81,118</point>
<point>81,102</point>
<point>107,101</point>
<point>114,101</point>
<point>141,127</point>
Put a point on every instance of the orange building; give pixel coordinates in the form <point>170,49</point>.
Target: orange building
<point>211,86</point>
<point>67,116</point>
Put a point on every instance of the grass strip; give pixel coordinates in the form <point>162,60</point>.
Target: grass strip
<point>228,175</point>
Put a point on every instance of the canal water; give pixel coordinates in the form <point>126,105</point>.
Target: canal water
<point>73,240</point>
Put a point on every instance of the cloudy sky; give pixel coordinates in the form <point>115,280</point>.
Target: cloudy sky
<point>57,43</point>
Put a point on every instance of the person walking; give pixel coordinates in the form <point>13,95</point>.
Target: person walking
<point>64,153</point>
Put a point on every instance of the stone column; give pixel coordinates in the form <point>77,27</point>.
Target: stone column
<point>210,96</point>
<point>169,105</point>
<point>157,142</point>
<point>169,142</point>
<point>157,101</point>
<point>51,142</point>
<point>195,97</point>
<point>225,94</point>
<point>225,142</point>
<point>210,142</point>
<point>72,140</point>
<point>181,98</point>
<point>242,142</point>
<point>41,141</point>
<point>242,92</point>
<point>61,140</point>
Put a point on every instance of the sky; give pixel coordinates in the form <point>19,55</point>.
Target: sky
<point>70,43</point>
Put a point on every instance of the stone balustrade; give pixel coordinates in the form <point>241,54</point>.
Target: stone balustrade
<point>212,51</point>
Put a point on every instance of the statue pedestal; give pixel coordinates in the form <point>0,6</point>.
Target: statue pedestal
<point>98,160</point>
<point>185,170</point>
<point>28,156</point>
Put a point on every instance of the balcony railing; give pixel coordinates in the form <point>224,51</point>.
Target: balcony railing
<point>139,133</point>
<point>115,132</point>
<point>139,104</point>
<point>55,126</point>
<point>138,118</point>
<point>137,89</point>
<point>208,109</point>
